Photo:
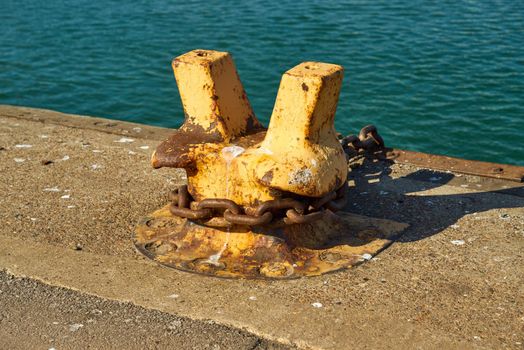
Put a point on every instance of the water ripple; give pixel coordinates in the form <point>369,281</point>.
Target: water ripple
<point>442,77</point>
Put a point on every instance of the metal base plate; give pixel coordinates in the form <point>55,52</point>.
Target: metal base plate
<point>338,241</point>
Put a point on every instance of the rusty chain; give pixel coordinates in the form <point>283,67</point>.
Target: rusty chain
<point>368,139</point>
<point>287,210</point>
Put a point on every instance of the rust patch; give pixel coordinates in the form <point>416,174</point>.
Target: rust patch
<point>175,152</point>
<point>266,179</point>
<point>250,140</point>
<point>253,125</point>
<point>280,253</point>
<point>472,167</point>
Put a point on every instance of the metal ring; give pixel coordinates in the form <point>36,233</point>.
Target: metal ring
<point>247,220</point>
<point>183,197</point>
<point>373,132</point>
<point>189,213</point>
<point>275,204</point>
<point>292,217</point>
<point>341,200</point>
<point>219,203</point>
<point>319,203</point>
<point>173,197</point>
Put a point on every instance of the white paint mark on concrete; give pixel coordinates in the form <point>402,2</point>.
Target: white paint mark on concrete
<point>367,256</point>
<point>52,189</point>
<point>66,196</point>
<point>173,296</point>
<point>125,140</point>
<point>455,226</point>
<point>144,147</point>
<point>137,129</point>
<point>19,160</point>
<point>71,206</point>
<point>317,305</point>
<point>97,151</point>
<point>64,158</point>
<point>43,136</point>
<point>131,153</point>
<point>252,297</point>
<point>75,326</point>
<point>96,166</point>
<point>23,146</point>
<point>458,242</point>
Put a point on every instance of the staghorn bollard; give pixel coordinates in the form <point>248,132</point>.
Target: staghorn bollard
<point>259,203</point>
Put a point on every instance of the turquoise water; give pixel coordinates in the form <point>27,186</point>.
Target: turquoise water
<point>443,77</point>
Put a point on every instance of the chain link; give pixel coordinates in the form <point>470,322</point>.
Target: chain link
<point>368,139</point>
<point>288,210</point>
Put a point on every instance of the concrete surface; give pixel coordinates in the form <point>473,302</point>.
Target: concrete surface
<point>73,189</point>
<point>38,316</point>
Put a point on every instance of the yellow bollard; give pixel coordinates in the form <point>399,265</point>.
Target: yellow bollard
<point>220,141</point>
<point>301,141</point>
<point>259,204</point>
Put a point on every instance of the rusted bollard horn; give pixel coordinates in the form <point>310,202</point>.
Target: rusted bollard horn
<point>258,203</point>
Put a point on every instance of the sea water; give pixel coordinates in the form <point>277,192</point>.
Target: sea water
<point>442,77</point>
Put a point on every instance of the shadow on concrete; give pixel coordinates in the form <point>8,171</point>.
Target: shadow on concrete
<point>377,194</point>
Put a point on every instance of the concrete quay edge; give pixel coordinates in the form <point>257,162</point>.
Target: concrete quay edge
<point>449,282</point>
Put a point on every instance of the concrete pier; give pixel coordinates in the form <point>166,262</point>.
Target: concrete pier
<point>74,187</point>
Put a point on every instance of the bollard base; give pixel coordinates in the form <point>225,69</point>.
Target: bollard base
<point>336,242</point>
